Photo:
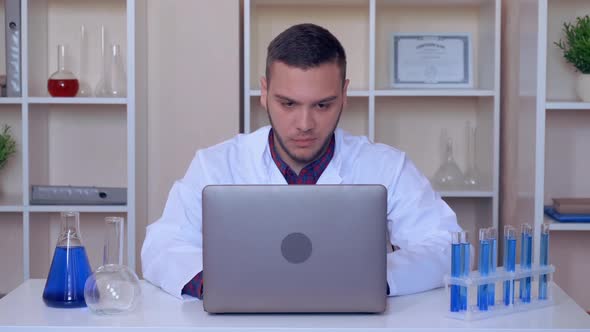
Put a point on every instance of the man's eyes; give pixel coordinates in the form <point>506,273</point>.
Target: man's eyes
<point>321,106</point>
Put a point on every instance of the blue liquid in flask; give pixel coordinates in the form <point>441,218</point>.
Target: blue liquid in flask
<point>67,275</point>
<point>69,268</point>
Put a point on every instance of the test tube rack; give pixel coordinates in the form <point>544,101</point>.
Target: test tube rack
<point>474,279</point>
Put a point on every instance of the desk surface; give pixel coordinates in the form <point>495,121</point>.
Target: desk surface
<point>159,311</point>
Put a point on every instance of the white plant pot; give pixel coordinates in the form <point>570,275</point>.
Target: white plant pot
<point>583,87</point>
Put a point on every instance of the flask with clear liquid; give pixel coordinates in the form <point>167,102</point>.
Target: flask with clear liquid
<point>70,268</point>
<point>113,288</point>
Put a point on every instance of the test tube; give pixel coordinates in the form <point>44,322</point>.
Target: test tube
<point>509,262</point>
<point>465,266</point>
<point>493,240</point>
<point>544,261</point>
<point>456,262</point>
<point>526,248</point>
<point>484,266</point>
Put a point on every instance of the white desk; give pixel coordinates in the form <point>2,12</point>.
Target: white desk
<point>24,308</point>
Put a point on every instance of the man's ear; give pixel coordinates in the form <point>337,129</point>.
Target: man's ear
<point>345,93</point>
<point>263,92</point>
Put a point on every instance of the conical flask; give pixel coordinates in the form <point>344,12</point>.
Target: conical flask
<point>117,82</point>
<point>113,288</point>
<point>70,268</point>
<point>449,175</point>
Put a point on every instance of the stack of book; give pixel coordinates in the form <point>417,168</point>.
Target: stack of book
<point>569,209</point>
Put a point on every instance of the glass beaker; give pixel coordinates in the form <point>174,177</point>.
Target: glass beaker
<point>62,83</point>
<point>113,288</point>
<point>84,90</point>
<point>449,175</point>
<point>101,87</point>
<point>472,176</point>
<point>69,269</point>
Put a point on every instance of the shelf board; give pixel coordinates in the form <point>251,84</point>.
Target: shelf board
<point>78,208</point>
<point>76,100</point>
<point>434,93</point>
<point>350,93</point>
<point>323,3</point>
<point>10,100</point>
<point>567,105</point>
<point>566,226</point>
<point>11,208</point>
<point>11,203</point>
<point>440,3</point>
<point>466,194</point>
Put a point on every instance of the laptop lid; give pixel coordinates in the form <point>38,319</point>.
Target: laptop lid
<point>303,248</point>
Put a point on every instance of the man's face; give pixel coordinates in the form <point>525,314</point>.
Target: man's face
<point>304,107</point>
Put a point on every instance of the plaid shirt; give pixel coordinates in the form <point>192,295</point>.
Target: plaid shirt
<point>310,174</point>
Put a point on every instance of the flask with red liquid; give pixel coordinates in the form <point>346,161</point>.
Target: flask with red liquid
<point>62,83</point>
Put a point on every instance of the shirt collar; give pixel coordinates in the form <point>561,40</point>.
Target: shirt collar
<point>311,173</point>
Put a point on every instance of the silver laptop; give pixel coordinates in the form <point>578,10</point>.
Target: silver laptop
<point>296,249</point>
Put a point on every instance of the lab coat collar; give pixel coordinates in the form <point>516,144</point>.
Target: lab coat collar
<point>331,174</point>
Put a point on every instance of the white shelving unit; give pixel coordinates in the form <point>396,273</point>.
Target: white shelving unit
<point>66,141</point>
<point>548,128</point>
<point>409,119</point>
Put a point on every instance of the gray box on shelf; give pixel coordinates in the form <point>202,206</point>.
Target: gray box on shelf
<point>73,195</point>
<point>12,19</point>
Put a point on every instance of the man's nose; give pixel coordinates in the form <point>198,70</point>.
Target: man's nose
<point>305,120</point>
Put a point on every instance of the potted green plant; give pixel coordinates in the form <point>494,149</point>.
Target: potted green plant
<point>576,50</point>
<point>7,145</point>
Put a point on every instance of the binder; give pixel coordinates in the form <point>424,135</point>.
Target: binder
<point>12,19</point>
<point>77,195</point>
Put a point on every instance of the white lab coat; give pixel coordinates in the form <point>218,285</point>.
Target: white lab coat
<point>418,222</point>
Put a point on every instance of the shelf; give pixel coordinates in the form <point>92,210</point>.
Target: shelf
<point>467,194</point>
<point>85,101</point>
<point>11,202</point>
<point>11,208</point>
<point>435,93</point>
<point>567,105</point>
<point>566,226</point>
<point>10,100</point>
<point>430,3</point>
<point>323,3</point>
<point>78,208</point>
<point>350,93</point>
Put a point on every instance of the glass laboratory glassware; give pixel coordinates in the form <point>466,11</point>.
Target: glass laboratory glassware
<point>472,176</point>
<point>448,175</point>
<point>69,269</point>
<point>113,288</point>
<point>62,83</point>
<point>84,90</point>
<point>101,88</point>
<point>117,82</point>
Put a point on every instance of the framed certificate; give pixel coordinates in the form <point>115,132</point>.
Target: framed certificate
<point>431,61</point>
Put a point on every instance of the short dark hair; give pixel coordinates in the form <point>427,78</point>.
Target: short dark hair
<point>306,46</point>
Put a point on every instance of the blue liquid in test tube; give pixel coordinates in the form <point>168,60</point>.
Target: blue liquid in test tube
<point>544,261</point>
<point>465,266</point>
<point>526,248</point>
<point>484,266</point>
<point>509,262</point>
<point>493,240</point>
<point>456,262</point>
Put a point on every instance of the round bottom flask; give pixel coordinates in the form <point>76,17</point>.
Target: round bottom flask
<point>113,288</point>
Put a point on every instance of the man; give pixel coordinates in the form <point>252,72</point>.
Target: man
<point>304,94</point>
